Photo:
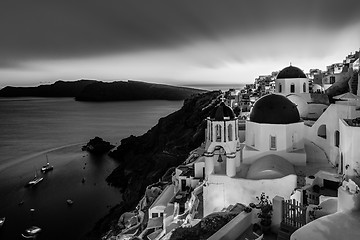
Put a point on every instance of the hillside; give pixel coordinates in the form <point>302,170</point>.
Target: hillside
<point>91,90</point>
<point>57,89</point>
<point>145,159</point>
<point>134,90</point>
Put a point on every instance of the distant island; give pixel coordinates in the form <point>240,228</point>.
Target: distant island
<point>92,90</point>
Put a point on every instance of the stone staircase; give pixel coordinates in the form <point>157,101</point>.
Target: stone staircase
<point>285,231</point>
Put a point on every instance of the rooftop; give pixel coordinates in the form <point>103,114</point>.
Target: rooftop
<point>291,72</point>
<point>353,122</point>
<point>164,197</point>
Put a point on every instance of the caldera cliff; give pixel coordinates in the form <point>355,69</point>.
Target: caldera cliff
<point>145,159</point>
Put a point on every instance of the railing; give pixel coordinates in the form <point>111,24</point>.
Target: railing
<point>294,213</point>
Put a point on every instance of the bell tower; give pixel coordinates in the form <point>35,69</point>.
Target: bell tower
<point>222,150</point>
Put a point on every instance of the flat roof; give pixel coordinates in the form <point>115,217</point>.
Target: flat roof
<point>154,223</point>
<point>164,198</point>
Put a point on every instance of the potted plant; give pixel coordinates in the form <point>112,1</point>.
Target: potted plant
<point>266,211</point>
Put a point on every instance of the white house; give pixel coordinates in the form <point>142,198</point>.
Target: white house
<point>158,207</point>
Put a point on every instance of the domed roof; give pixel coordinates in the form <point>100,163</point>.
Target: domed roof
<point>301,104</point>
<point>291,72</point>
<point>270,167</point>
<point>274,109</point>
<point>221,111</point>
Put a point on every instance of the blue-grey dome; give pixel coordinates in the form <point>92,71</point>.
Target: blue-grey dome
<point>291,72</point>
<point>221,111</point>
<point>274,109</point>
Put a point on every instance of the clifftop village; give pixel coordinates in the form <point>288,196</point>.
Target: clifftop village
<point>280,161</point>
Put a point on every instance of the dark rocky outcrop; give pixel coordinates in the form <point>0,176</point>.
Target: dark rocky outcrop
<point>58,89</point>
<point>91,90</point>
<point>97,146</point>
<point>145,159</point>
<point>134,90</point>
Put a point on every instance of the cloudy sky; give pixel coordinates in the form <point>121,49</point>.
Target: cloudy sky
<point>187,42</point>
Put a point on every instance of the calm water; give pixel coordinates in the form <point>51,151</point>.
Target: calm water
<point>33,128</point>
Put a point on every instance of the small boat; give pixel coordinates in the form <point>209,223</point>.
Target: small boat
<point>2,221</point>
<point>31,232</point>
<point>47,167</point>
<point>70,202</point>
<point>34,181</point>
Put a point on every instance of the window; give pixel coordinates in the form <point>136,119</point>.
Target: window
<point>154,215</point>
<point>304,87</point>
<point>161,214</point>
<point>292,88</point>
<point>322,131</point>
<point>218,133</point>
<point>272,142</point>
<point>332,79</point>
<point>253,140</point>
<point>294,140</point>
<point>230,130</point>
<point>279,87</point>
<point>337,138</point>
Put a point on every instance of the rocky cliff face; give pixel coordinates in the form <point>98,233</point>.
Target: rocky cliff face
<point>145,159</point>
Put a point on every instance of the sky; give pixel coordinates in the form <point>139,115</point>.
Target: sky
<point>187,42</point>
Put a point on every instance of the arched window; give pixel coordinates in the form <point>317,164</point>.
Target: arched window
<point>230,132</point>
<point>304,87</point>
<point>218,133</point>
<point>322,131</point>
<point>279,87</point>
<point>337,138</point>
<point>292,88</point>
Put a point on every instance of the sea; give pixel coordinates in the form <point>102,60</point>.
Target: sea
<point>34,130</point>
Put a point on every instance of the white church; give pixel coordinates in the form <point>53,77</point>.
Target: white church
<point>274,147</point>
<point>289,146</point>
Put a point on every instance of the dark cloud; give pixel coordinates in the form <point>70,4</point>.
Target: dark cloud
<point>66,29</point>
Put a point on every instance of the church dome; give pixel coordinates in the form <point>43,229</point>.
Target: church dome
<point>300,103</point>
<point>291,72</point>
<point>274,109</point>
<point>221,112</point>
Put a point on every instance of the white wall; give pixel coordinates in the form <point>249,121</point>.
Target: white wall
<point>198,169</point>
<point>286,83</point>
<point>350,149</point>
<point>284,142</point>
<point>331,119</point>
<point>222,191</point>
